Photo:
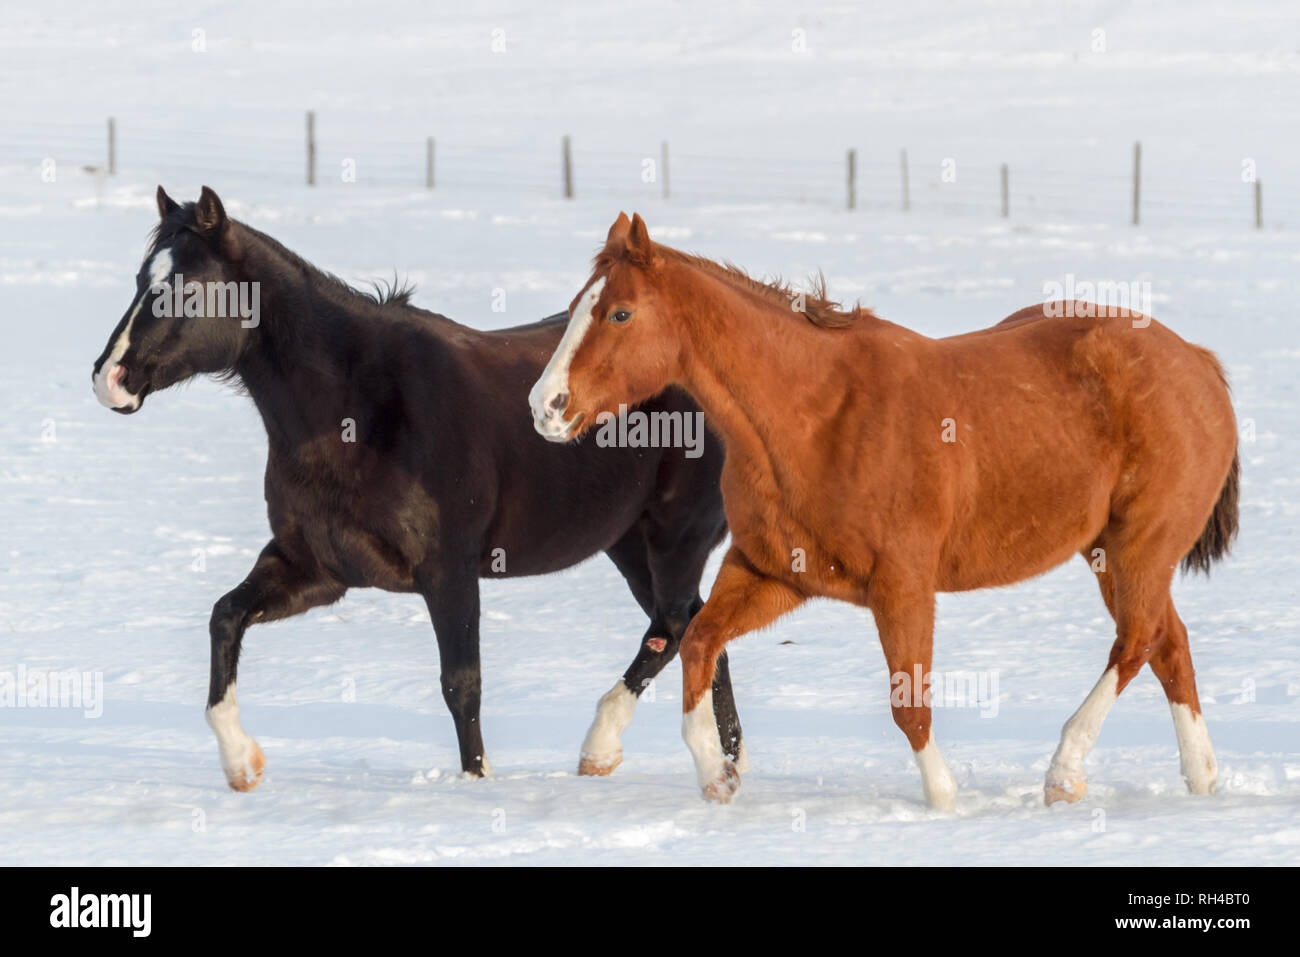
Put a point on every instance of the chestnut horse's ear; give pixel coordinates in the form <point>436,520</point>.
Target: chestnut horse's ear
<point>618,230</point>
<point>210,220</point>
<point>165,203</point>
<point>638,240</point>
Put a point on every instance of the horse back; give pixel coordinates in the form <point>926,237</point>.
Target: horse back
<point>1095,406</point>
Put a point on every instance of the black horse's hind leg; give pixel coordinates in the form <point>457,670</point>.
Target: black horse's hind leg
<point>659,646</point>
<point>726,716</point>
<point>602,748</point>
<point>275,588</point>
<point>451,592</point>
<point>678,547</point>
<point>665,582</point>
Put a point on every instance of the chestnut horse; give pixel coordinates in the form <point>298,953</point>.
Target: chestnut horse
<point>872,464</point>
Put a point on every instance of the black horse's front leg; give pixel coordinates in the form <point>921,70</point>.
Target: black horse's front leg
<point>451,592</point>
<point>602,749</point>
<point>275,588</point>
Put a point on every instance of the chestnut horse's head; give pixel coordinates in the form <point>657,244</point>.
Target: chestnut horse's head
<point>621,345</point>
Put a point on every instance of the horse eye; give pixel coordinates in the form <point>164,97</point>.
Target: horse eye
<point>621,315</point>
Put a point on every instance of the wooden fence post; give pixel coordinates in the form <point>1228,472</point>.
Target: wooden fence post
<point>311,148</point>
<point>1006,192</point>
<point>902,162</point>
<point>1137,181</point>
<point>663,166</point>
<point>428,163</point>
<point>1259,205</point>
<point>853,175</point>
<point>112,146</point>
<point>568,171</point>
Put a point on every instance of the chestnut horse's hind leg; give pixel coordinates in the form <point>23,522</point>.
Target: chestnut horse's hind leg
<point>1139,604</point>
<point>1172,664</point>
<point>905,620</point>
<point>741,601</point>
<point>275,588</point>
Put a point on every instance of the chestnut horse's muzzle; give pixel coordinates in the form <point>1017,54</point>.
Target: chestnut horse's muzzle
<point>548,399</point>
<point>551,424</point>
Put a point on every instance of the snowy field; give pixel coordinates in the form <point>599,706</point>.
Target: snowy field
<point>118,533</point>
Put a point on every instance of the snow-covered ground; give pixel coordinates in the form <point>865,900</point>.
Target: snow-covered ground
<point>119,533</point>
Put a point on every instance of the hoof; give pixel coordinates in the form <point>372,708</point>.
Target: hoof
<point>1203,779</point>
<point>598,766</point>
<point>1068,790</point>
<point>724,787</point>
<point>248,775</point>
<point>484,771</point>
<point>945,800</point>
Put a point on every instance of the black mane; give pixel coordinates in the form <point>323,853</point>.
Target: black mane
<point>382,293</point>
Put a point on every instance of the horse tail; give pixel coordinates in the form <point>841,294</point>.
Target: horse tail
<point>1221,528</point>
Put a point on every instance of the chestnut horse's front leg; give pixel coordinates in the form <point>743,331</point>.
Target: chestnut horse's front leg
<point>742,600</point>
<point>902,602</point>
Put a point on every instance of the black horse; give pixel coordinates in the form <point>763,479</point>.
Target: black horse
<point>401,456</point>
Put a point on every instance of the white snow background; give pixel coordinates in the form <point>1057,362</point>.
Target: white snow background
<point>101,515</point>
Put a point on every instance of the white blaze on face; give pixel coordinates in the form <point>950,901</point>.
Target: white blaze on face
<point>108,387</point>
<point>554,380</point>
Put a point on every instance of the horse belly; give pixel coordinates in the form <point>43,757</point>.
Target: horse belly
<point>549,525</point>
<point>358,558</point>
<point>511,552</point>
<point>1005,538</point>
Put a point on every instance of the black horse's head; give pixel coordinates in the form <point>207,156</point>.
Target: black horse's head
<point>190,314</point>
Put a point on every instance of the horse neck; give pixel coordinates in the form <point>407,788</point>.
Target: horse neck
<point>296,363</point>
<point>753,367</point>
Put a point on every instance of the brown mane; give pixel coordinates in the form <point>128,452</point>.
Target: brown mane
<point>818,308</point>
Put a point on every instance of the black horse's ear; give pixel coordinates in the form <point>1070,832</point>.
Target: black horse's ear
<point>165,203</point>
<point>209,214</point>
<point>210,220</point>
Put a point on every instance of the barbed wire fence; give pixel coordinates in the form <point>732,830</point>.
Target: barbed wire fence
<point>1116,187</point>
